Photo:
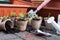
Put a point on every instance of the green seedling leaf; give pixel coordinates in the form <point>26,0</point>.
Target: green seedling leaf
<point>32,15</point>
<point>21,15</point>
<point>13,14</point>
<point>5,17</point>
<point>49,15</point>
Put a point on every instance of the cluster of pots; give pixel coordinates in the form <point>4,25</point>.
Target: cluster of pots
<point>21,24</point>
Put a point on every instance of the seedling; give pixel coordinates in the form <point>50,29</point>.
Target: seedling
<point>22,17</point>
<point>5,17</point>
<point>13,14</point>
<point>49,15</point>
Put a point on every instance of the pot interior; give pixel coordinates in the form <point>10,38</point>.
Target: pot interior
<point>8,25</point>
<point>36,19</point>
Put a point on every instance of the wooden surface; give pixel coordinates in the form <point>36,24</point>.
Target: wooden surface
<point>21,2</point>
<point>14,5</point>
<point>53,5</point>
<point>17,6</point>
<point>6,11</point>
<point>37,2</point>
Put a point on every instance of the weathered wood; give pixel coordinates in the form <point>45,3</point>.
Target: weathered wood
<point>37,2</point>
<point>15,6</point>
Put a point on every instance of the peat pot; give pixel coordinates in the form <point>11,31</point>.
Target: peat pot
<point>4,25</point>
<point>21,25</point>
<point>48,25</point>
<point>36,23</point>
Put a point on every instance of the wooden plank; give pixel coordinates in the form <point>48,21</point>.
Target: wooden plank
<point>1,11</point>
<point>37,0</point>
<point>14,5</point>
<point>7,11</point>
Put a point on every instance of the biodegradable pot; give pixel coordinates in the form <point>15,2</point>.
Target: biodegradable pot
<point>5,23</point>
<point>48,25</point>
<point>21,25</point>
<point>36,23</point>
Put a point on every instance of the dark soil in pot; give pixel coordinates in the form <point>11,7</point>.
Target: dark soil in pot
<point>21,19</point>
<point>9,29</point>
<point>36,19</point>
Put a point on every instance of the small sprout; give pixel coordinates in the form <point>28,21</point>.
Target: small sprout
<point>33,16</point>
<point>49,15</point>
<point>22,17</point>
<point>13,14</point>
<point>5,17</point>
<point>28,15</point>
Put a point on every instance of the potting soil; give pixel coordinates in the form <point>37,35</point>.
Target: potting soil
<point>9,29</point>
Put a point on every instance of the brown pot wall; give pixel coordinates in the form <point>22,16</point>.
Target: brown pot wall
<point>2,24</point>
<point>36,23</point>
<point>21,25</point>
